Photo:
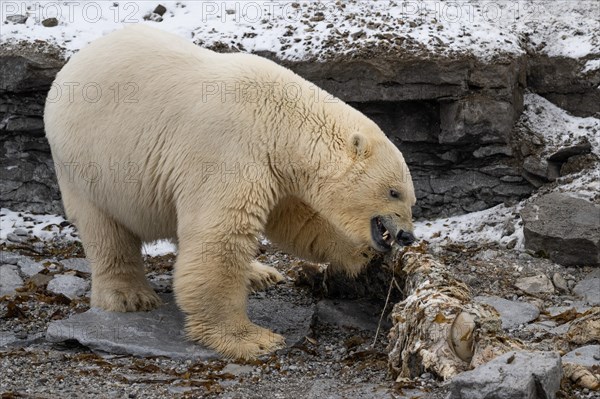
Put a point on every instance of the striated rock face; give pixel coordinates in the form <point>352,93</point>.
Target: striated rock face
<point>567,83</point>
<point>451,117</point>
<point>27,180</point>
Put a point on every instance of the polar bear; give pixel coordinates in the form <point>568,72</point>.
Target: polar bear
<point>153,138</point>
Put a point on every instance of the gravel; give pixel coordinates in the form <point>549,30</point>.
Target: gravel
<point>336,359</point>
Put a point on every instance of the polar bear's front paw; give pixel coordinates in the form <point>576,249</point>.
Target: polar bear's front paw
<point>262,276</point>
<point>125,299</point>
<point>245,341</point>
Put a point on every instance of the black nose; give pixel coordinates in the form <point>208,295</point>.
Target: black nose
<point>405,238</point>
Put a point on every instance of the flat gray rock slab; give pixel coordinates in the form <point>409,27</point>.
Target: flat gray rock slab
<point>512,313</point>
<point>579,306</point>
<point>586,356</point>
<point>564,228</point>
<point>161,331</point>
<point>535,285</point>
<point>514,375</point>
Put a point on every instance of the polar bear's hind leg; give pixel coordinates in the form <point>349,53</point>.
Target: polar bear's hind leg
<point>114,253</point>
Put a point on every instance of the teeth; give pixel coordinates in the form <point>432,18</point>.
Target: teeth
<point>386,235</point>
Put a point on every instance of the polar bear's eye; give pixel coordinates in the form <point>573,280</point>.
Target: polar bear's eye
<point>394,194</point>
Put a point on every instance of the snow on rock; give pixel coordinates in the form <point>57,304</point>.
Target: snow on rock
<point>310,29</point>
<point>56,228</point>
<point>44,227</point>
<point>561,28</point>
<point>499,224</point>
<point>557,134</point>
<point>556,128</point>
<point>591,65</point>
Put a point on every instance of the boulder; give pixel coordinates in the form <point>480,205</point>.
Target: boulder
<point>10,279</point>
<point>28,68</point>
<point>28,180</point>
<point>564,228</point>
<point>560,283</point>
<point>10,258</point>
<point>514,375</point>
<point>478,118</point>
<point>70,286</point>
<point>589,289</point>
<point>29,267</point>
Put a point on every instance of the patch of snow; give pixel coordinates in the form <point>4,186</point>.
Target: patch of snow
<point>299,30</point>
<point>500,224</point>
<point>562,28</point>
<point>48,228</point>
<point>45,227</point>
<point>556,126</point>
<point>584,185</point>
<point>591,65</point>
<point>159,248</point>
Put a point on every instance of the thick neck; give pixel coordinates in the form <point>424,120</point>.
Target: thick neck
<point>304,135</point>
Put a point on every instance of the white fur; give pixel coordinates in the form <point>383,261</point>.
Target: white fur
<point>212,172</point>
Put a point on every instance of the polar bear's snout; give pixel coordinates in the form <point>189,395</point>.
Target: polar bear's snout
<point>385,232</point>
<point>405,237</point>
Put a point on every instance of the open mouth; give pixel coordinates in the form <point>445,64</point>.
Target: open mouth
<point>382,238</point>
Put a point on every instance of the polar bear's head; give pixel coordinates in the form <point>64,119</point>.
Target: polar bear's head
<point>372,198</point>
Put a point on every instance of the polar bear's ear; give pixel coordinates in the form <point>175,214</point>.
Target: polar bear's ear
<point>359,146</point>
